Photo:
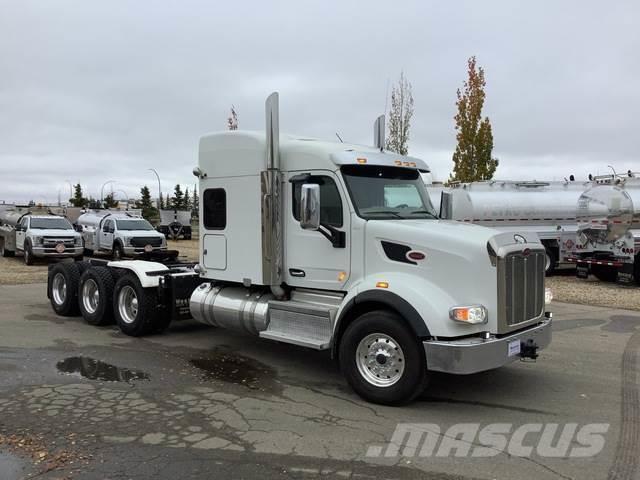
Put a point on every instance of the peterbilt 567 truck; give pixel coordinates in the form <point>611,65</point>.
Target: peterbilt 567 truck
<point>303,242</point>
<point>37,236</point>
<point>546,208</point>
<point>119,233</point>
<point>609,229</point>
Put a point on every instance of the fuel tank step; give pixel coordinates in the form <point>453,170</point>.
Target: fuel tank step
<point>300,323</point>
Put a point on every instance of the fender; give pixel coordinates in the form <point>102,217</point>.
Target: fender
<point>148,273</point>
<point>389,299</point>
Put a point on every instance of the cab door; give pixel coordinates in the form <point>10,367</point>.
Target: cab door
<point>106,236</point>
<point>311,260</point>
<point>22,233</point>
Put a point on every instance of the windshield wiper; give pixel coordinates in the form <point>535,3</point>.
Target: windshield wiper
<point>422,212</point>
<point>384,212</point>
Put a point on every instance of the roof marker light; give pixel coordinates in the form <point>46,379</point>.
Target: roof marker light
<point>382,285</point>
<point>361,160</point>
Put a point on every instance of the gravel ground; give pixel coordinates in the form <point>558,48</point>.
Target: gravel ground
<point>569,289</point>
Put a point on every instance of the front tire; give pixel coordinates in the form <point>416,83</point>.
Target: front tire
<point>95,293</point>
<point>382,359</point>
<point>63,289</point>
<point>118,251</point>
<point>28,254</point>
<point>136,309</point>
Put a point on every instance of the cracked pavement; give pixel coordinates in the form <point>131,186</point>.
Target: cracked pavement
<point>207,402</point>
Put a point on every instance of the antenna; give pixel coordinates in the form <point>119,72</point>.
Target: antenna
<point>339,138</point>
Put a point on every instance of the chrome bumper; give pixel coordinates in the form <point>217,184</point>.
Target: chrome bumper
<point>138,250</point>
<point>50,252</point>
<point>472,355</point>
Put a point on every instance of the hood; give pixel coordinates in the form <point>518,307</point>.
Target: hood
<point>50,232</point>
<point>140,233</point>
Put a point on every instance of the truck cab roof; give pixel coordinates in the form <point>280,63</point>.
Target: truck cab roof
<point>233,153</point>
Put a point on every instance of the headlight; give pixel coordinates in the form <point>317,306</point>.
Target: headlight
<point>469,314</point>
<point>548,296</point>
<point>78,241</point>
<point>164,241</point>
<point>126,240</point>
<point>38,240</point>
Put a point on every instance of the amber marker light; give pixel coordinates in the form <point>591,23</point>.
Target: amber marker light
<point>382,285</point>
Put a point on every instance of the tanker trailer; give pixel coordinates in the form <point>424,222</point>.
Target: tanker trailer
<point>546,208</point>
<point>175,223</point>
<point>609,230</point>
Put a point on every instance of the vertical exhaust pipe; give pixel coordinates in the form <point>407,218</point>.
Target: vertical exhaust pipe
<point>378,133</point>
<point>272,238</point>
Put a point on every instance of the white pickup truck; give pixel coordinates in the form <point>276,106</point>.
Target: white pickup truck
<point>38,236</point>
<point>303,242</point>
<point>119,233</point>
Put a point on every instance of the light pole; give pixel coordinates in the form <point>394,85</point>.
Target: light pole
<point>102,190</point>
<point>159,187</point>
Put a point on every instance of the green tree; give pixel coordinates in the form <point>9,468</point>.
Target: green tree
<point>161,200</point>
<point>177,201</point>
<point>400,116</point>
<point>187,199</point>
<point>146,204</point>
<point>78,199</point>
<point>110,202</point>
<point>93,203</point>
<point>472,160</point>
<point>195,203</point>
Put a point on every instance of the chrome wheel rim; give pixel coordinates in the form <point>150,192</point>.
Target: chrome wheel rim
<point>547,262</point>
<point>128,304</point>
<point>90,295</point>
<point>59,289</point>
<point>380,360</point>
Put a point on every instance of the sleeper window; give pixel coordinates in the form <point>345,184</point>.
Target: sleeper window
<point>215,209</point>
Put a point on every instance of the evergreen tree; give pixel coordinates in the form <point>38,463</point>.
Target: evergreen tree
<point>472,160</point>
<point>177,202</point>
<point>195,203</point>
<point>110,202</point>
<point>146,204</point>
<point>78,199</point>
<point>187,199</point>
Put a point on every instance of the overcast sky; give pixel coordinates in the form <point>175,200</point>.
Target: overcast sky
<point>97,91</point>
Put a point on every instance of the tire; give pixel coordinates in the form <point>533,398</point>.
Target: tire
<point>604,273</point>
<point>95,296</point>
<point>136,309</point>
<point>118,251</point>
<point>4,252</point>
<point>63,281</point>
<point>550,262</point>
<point>28,253</point>
<point>388,331</point>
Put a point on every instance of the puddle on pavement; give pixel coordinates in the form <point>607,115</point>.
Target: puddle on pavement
<point>233,368</point>
<point>98,370</point>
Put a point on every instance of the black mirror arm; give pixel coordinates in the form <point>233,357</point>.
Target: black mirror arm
<point>335,236</point>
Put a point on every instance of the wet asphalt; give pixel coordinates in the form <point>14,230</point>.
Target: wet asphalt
<point>199,402</point>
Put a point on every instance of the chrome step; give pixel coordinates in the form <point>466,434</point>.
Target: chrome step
<point>300,323</point>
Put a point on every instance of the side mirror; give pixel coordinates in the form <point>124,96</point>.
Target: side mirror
<point>310,206</point>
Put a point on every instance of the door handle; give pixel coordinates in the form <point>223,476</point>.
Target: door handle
<point>296,272</point>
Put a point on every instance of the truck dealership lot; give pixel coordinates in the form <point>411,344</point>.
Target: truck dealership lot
<point>94,403</point>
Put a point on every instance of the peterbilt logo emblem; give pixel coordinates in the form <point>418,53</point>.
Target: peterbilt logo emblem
<point>519,238</point>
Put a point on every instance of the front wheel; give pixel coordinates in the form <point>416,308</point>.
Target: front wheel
<point>137,310</point>
<point>550,262</point>
<point>382,359</point>
<point>118,251</point>
<point>28,254</point>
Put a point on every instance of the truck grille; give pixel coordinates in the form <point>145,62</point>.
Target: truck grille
<point>142,241</point>
<point>51,242</point>
<point>520,289</point>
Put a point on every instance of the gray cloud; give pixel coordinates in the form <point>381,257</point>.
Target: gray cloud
<point>91,92</point>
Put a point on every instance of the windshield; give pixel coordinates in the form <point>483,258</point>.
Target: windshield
<point>379,192</point>
<point>135,224</point>
<point>53,223</point>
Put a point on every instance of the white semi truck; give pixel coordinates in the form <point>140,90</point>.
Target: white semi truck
<point>608,243</point>
<point>546,208</point>
<point>118,233</point>
<point>303,242</point>
<point>37,236</point>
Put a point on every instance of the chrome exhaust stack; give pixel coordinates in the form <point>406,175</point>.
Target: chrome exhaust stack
<point>272,237</point>
<point>378,133</point>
